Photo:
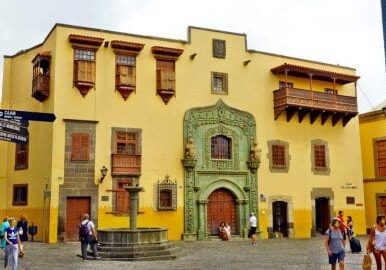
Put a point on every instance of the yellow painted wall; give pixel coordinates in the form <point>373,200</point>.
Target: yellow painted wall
<point>250,89</point>
<point>371,128</point>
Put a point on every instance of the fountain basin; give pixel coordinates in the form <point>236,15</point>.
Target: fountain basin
<point>127,238</point>
<point>141,244</point>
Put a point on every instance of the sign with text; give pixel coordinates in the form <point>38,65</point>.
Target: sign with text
<point>26,116</point>
<point>12,137</point>
<point>14,124</point>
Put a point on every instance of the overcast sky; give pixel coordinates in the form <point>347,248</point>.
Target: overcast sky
<point>345,32</point>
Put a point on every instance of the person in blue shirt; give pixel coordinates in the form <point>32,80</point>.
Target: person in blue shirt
<point>4,226</point>
<point>334,242</point>
<point>13,244</point>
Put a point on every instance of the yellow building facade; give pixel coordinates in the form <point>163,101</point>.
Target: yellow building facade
<point>210,129</point>
<point>373,143</point>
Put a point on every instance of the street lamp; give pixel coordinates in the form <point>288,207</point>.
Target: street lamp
<point>103,172</point>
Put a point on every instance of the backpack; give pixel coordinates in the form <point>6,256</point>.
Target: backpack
<point>84,230</point>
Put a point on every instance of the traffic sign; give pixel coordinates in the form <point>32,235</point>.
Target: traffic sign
<point>11,137</point>
<point>26,116</point>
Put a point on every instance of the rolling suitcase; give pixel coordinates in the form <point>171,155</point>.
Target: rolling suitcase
<point>355,245</point>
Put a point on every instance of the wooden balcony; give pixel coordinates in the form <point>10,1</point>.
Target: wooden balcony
<point>41,87</point>
<point>292,100</point>
<point>124,164</point>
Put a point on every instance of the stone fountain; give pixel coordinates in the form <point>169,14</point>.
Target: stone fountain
<point>134,243</point>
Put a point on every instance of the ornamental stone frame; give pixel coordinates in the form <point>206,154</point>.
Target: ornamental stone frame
<point>287,156</point>
<point>204,175</point>
<point>317,193</point>
<point>314,169</point>
<point>290,213</point>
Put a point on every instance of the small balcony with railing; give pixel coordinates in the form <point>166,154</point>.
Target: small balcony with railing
<point>126,164</point>
<point>306,101</point>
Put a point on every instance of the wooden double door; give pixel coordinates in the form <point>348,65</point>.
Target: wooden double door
<point>221,208</point>
<point>75,208</point>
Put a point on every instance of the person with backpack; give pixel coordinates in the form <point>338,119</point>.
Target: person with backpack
<point>334,243</point>
<point>88,236</point>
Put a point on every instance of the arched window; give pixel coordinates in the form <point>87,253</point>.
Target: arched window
<point>221,147</point>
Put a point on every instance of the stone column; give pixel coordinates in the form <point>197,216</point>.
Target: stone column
<point>189,230</point>
<point>133,191</point>
<point>201,219</point>
<point>253,165</point>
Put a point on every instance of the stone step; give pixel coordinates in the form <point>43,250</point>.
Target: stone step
<point>136,248</point>
<point>167,253</point>
<point>153,258</point>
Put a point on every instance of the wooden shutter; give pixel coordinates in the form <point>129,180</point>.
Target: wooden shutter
<point>122,198</point>
<point>278,155</point>
<point>84,71</point>
<point>80,150</point>
<point>320,156</point>
<point>381,157</point>
<point>125,75</point>
<point>21,156</point>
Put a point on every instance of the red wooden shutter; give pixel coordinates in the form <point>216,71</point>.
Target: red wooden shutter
<point>80,150</point>
<point>320,155</point>
<point>278,155</point>
<point>21,156</point>
<point>381,157</point>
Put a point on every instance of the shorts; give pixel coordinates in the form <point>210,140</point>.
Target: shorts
<point>252,231</point>
<point>336,257</point>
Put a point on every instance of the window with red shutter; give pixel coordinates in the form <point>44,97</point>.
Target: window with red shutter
<point>381,157</point>
<point>80,150</point>
<point>21,156</point>
<point>278,155</point>
<point>221,147</point>
<point>320,155</point>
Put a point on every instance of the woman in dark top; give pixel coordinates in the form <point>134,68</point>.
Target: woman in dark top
<point>22,224</point>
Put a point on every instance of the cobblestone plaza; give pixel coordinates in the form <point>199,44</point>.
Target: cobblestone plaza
<point>307,254</point>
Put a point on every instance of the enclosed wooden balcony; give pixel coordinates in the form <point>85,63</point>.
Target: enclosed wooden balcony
<point>307,101</point>
<point>292,100</point>
<point>41,87</point>
<point>125,164</point>
<point>41,76</point>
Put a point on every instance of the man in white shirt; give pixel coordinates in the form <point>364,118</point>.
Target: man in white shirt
<point>252,228</point>
<point>87,236</point>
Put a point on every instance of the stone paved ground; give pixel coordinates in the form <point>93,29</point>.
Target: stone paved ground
<point>238,254</point>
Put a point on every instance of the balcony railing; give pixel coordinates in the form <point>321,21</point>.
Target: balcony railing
<point>125,164</point>
<point>303,101</point>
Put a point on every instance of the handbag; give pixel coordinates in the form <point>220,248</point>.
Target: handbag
<point>249,234</point>
<point>366,263</point>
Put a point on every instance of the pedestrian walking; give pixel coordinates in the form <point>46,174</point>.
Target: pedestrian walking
<point>88,237</point>
<point>13,244</point>
<point>22,224</point>
<point>252,228</point>
<point>334,243</point>
<point>4,226</point>
<point>377,241</point>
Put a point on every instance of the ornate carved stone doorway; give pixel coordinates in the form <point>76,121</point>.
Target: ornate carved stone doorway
<point>218,142</point>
